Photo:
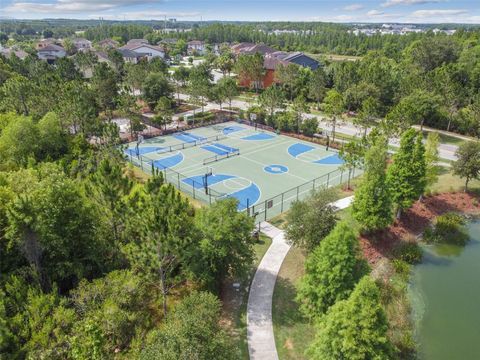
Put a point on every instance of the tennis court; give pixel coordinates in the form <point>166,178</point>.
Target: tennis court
<point>265,171</point>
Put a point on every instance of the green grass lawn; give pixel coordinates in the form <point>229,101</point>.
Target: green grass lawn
<point>447,182</point>
<point>292,331</point>
<point>447,139</point>
<point>235,303</point>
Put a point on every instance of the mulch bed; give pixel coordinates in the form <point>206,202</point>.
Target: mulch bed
<point>412,223</point>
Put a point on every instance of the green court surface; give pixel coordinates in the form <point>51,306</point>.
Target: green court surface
<point>266,172</point>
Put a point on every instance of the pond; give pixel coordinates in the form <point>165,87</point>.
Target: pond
<point>445,297</point>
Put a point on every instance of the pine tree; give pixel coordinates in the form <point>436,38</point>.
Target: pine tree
<point>331,271</point>
<point>406,176</point>
<point>372,206</point>
<point>431,158</point>
<point>354,329</point>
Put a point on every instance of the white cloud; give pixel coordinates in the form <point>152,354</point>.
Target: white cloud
<point>435,13</point>
<point>70,6</point>
<point>353,7</point>
<point>389,3</point>
<point>375,13</point>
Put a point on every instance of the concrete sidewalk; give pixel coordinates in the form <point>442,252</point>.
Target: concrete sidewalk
<point>261,341</point>
<point>260,337</point>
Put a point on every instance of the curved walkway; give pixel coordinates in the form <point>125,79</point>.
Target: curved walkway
<point>260,337</point>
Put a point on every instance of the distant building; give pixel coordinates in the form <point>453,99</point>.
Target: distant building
<point>82,44</point>
<point>108,44</point>
<point>9,52</point>
<point>51,53</point>
<point>130,56</point>
<point>143,50</point>
<point>246,48</point>
<point>275,59</point>
<point>46,42</point>
<point>137,41</point>
<point>196,47</point>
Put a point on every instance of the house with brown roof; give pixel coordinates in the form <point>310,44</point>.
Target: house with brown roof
<point>271,62</point>
<point>45,42</point>
<point>246,48</point>
<point>196,47</point>
<point>137,41</point>
<point>9,52</point>
<point>108,44</point>
<point>82,44</point>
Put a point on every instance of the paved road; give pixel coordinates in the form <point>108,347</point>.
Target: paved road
<point>446,151</point>
<point>260,336</point>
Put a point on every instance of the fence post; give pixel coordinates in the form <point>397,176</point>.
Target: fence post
<point>341,176</point>
<point>265,210</point>
<point>193,187</point>
<point>281,207</point>
<point>328,179</point>
<point>313,182</point>
<point>298,189</point>
<point>178,177</point>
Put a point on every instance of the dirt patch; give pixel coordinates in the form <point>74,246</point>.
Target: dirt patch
<point>379,245</point>
<point>288,344</point>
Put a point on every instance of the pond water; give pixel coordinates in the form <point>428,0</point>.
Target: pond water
<point>445,297</point>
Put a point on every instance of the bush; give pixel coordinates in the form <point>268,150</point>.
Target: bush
<point>401,267</point>
<point>448,228</point>
<point>409,252</point>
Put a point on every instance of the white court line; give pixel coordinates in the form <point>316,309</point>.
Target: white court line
<point>255,150</point>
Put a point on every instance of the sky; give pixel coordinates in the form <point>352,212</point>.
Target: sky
<point>380,11</point>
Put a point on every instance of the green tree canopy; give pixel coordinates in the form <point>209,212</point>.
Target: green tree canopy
<point>355,328</point>
<point>372,205</point>
<point>331,271</point>
<point>310,220</point>
<point>467,165</point>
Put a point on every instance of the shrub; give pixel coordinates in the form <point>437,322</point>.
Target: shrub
<point>401,267</point>
<point>409,252</point>
<point>448,228</point>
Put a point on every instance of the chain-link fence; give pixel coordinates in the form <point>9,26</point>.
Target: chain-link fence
<point>280,203</point>
<point>197,190</point>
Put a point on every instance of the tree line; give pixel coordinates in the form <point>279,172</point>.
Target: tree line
<point>95,263</point>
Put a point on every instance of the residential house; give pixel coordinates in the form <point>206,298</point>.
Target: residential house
<point>144,50</point>
<point>130,56</point>
<point>45,42</point>
<point>137,41</point>
<point>298,58</point>
<point>246,48</point>
<point>108,44</point>
<point>280,58</point>
<point>82,44</point>
<point>195,47</point>
<point>51,52</point>
<point>8,52</point>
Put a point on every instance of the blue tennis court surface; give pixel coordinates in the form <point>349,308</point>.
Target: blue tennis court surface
<point>132,151</point>
<point>249,195</point>
<point>265,176</point>
<point>334,159</point>
<point>188,137</point>
<point>259,136</point>
<point>199,180</point>
<point>219,149</point>
<point>168,162</point>
<point>276,169</point>
<point>299,148</point>
<point>232,129</point>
